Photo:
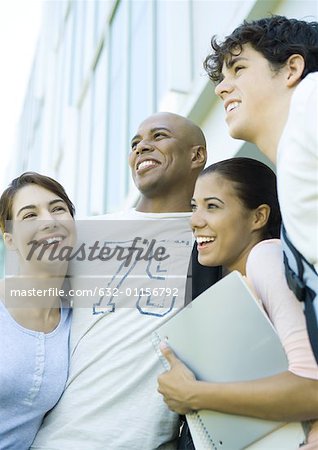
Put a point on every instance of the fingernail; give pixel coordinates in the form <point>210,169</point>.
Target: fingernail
<point>163,345</point>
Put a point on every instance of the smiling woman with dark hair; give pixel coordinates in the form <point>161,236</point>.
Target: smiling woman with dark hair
<point>236,222</point>
<point>35,324</point>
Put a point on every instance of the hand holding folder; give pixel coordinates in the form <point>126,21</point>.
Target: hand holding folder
<point>179,375</point>
<point>224,336</point>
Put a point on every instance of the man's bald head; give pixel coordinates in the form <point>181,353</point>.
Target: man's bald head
<point>167,154</point>
<point>190,131</point>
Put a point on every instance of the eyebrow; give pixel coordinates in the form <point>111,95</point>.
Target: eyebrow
<point>52,202</point>
<point>153,130</point>
<point>206,199</point>
<point>230,63</point>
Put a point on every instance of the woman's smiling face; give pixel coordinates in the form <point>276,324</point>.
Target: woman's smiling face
<point>42,217</point>
<point>222,225</point>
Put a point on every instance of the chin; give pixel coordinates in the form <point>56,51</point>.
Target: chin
<point>204,260</point>
<point>235,133</point>
<point>239,132</point>
<point>148,187</point>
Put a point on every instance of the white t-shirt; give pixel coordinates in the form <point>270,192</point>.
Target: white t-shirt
<point>297,169</point>
<point>111,399</point>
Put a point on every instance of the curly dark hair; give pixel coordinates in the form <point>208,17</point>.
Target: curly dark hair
<point>275,37</point>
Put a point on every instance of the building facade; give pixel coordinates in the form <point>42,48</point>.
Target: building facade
<point>102,66</point>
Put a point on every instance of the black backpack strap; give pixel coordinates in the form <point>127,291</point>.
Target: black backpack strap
<point>311,322</point>
<point>305,288</point>
<point>199,278</point>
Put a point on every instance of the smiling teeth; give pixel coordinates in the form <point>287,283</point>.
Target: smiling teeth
<point>201,240</point>
<point>53,240</point>
<point>144,164</point>
<point>232,106</point>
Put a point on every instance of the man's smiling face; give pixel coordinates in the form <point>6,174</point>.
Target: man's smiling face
<point>161,154</point>
<point>250,90</point>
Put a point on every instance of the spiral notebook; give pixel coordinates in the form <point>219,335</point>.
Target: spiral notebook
<point>224,335</point>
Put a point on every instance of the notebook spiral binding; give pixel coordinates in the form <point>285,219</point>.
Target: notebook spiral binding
<point>155,340</point>
<point>206,441</point>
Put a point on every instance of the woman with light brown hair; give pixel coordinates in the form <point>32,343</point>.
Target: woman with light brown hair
<point>34,314</point>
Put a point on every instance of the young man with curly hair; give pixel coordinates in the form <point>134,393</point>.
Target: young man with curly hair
<point>266,75</point>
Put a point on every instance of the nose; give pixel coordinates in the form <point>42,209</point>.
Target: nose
<point>223,88</point>
<point>197,220</point>
<point>143,147</point>
<point>47,221</point>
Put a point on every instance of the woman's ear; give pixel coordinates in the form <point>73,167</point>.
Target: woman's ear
<point>9,241</point>
<point>261,216</point>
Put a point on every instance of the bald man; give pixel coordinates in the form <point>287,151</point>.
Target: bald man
<point>167,154</point>
<point>111,400</point>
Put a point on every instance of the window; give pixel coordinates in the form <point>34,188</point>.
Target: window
<point>116,163</point>
<point>98,145</point>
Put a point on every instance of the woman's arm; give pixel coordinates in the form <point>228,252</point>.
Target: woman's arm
<point>288,396</point>
<point>283,397</point>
